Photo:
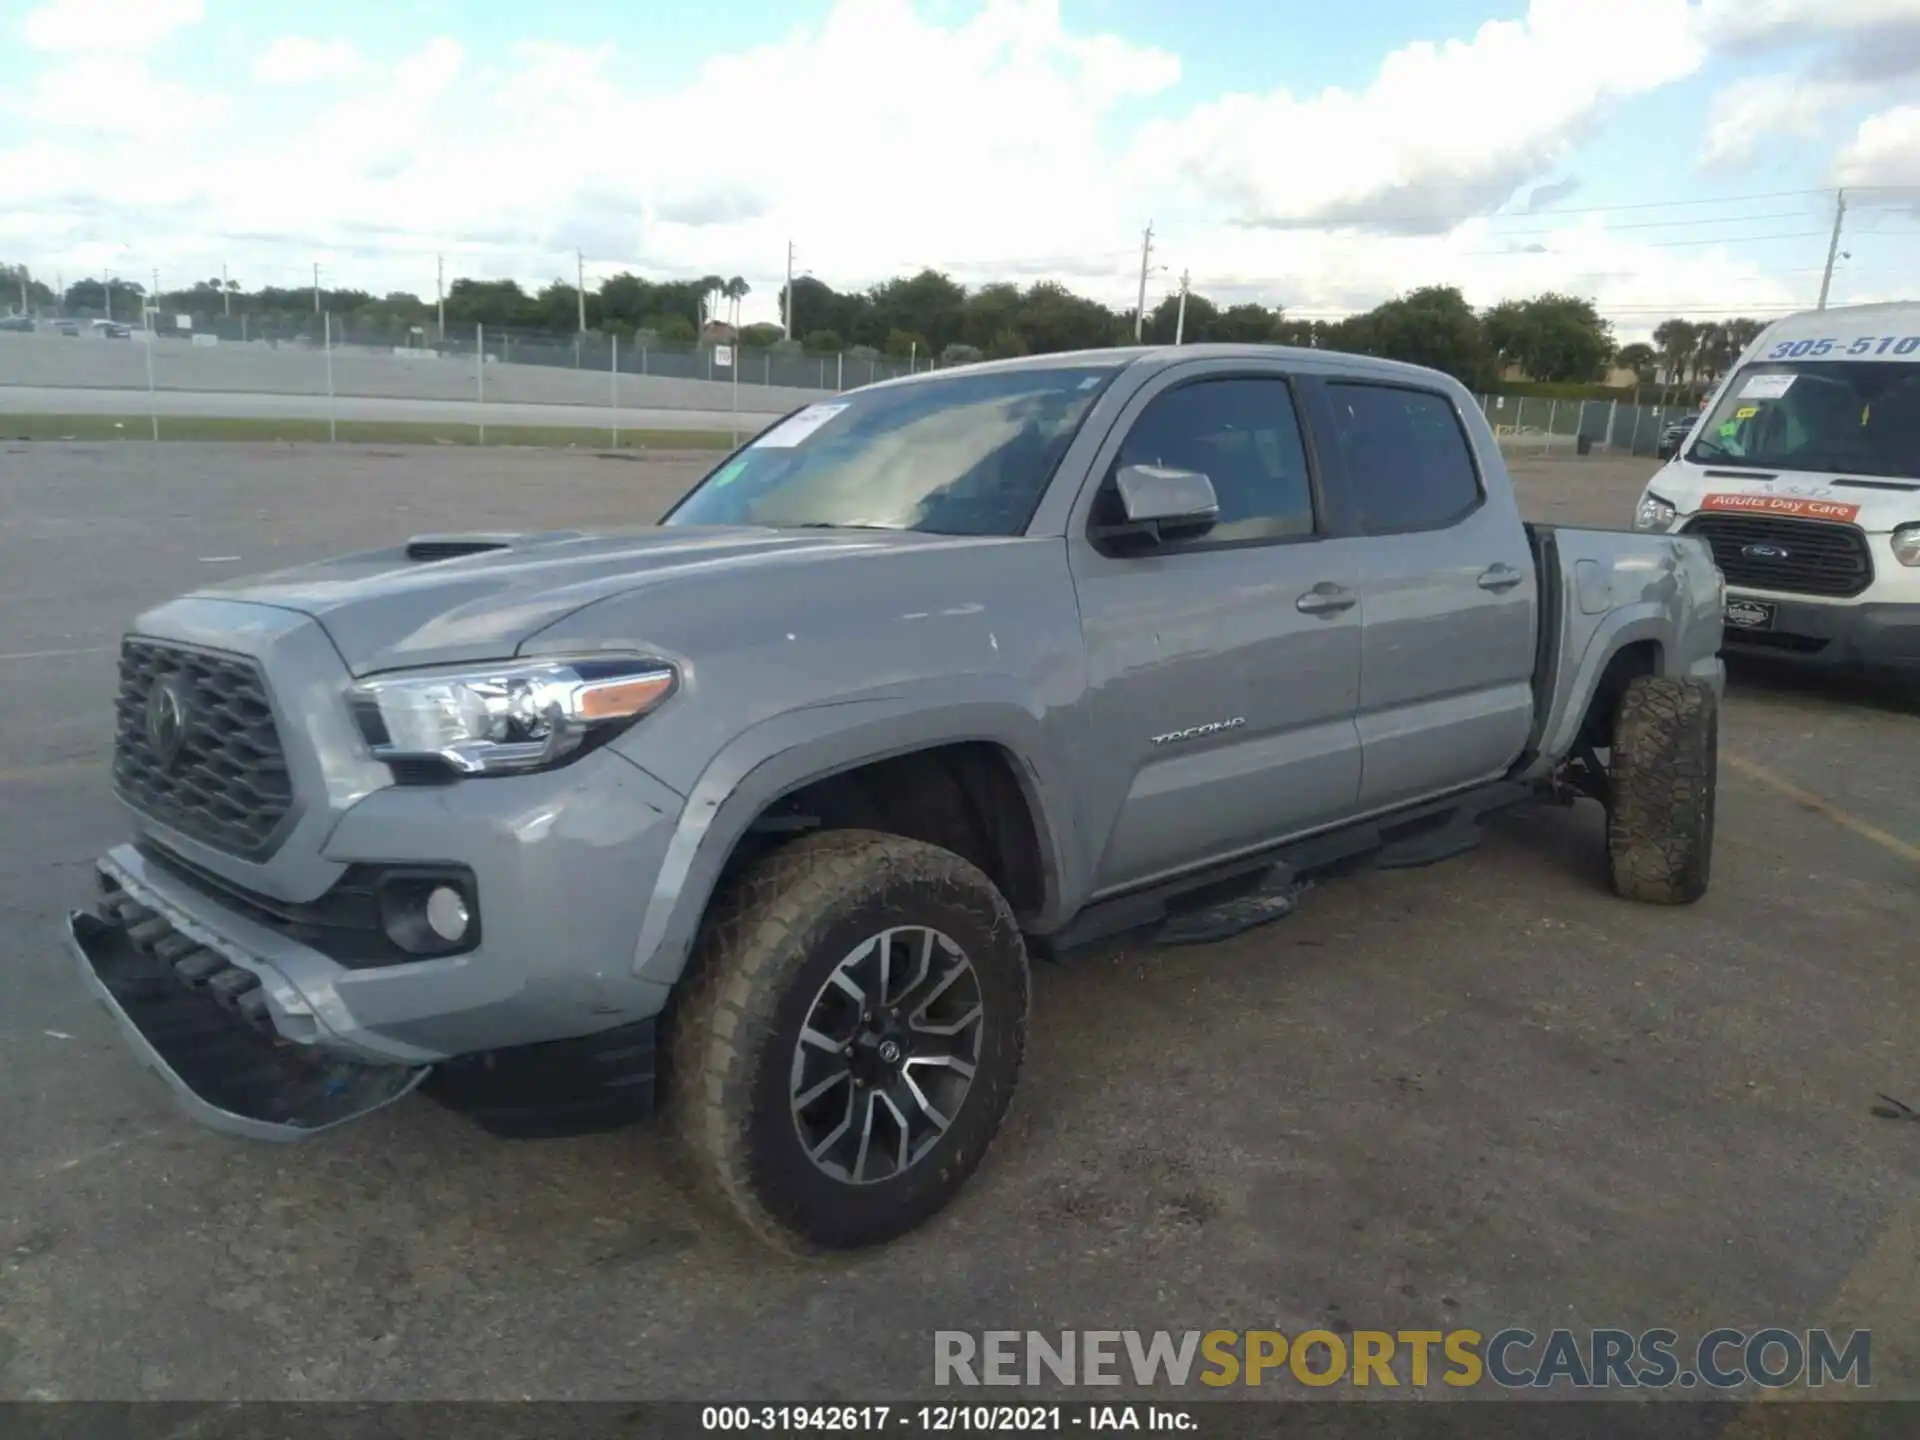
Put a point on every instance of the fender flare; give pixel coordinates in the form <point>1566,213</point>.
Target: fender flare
<point>1630,625</point>
<point>791,750</point>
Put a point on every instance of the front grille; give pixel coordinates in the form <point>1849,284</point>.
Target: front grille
<point>221,777</point>
<point>1820,559</point>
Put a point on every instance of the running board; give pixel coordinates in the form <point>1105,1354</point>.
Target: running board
<point>1230,898</point>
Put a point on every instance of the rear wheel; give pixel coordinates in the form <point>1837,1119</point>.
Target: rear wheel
<point>1663,771</point>
<point>849,1038</point>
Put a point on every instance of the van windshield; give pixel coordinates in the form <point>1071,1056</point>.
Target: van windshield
<point>965,454</point>
<point>1861,417</point>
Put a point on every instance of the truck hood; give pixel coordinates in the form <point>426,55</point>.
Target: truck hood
<point>446,599</point>
<point>1875,503</point>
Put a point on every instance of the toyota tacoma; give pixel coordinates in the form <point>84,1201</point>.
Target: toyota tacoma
<point>756,815</point>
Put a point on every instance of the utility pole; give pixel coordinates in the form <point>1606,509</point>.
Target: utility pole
<point>153,304</point>
<point>23,289</point>
<point>440,293</point>
<point>1140,310</point>
<point>316,287</point>
<point>786,307</point>
<point>580,287</point>
<point>226,295</point>
<point>108,287</point>
<point>1833,247</point>
<point>1180,325</point>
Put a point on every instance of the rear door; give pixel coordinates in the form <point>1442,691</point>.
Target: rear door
<point>1448,595</point>
<point>1223,670</point>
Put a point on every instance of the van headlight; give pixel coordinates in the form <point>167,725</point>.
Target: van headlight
<point>1654,513</point>
<point>510,718</point>
<point>1906,544</point>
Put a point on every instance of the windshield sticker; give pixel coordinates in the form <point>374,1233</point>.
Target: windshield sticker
<point>796,428</point>
<point>1780,505</point>
<point>728,474</point>
<point>1746,412</point>
<point>1767,387</point>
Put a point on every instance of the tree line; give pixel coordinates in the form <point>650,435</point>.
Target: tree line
<point>1550,337</point>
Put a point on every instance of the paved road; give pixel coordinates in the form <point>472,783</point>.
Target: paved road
<point>1484,1094</point>
<point>49,400</point>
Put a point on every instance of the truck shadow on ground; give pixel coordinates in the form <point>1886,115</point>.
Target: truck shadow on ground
<point>1764,678</point>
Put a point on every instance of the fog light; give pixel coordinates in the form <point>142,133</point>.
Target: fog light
<point>426,913</point>
<point>447,914</point>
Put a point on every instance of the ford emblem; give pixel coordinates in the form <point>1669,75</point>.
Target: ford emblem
<point>1763,552</point>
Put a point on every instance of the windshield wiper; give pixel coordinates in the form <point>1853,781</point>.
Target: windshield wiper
<point>1714,454</point>
<point>838,525</point>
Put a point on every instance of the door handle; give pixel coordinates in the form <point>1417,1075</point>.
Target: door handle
<point>1326,598</point>
<point>1499,577</point>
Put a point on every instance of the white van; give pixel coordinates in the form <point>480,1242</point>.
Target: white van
<point>1803,474</point>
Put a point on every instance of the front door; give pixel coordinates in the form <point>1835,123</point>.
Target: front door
<point>1224,670</point>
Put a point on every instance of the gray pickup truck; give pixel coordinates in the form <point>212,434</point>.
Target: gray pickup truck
<point>759,812</point>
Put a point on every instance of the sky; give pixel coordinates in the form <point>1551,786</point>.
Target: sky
<point>1659,156</point>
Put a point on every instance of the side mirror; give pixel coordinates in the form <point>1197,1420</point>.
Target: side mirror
<point>1164,504</point>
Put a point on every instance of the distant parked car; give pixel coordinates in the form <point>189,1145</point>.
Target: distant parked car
<point>16,322</point>
<point>114,330</point>
<point>1675,435</point>
<point>66,327</point>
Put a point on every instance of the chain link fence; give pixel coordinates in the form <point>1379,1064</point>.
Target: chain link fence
<point>476,375</point>
<point>1529,425</point>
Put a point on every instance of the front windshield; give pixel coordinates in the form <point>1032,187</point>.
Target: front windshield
<point>1862,417</point>
<point>965,454</point>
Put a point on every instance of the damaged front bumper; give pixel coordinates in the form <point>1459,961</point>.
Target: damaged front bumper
<point>201,1015</point>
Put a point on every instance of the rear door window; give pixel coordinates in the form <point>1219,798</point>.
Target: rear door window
<point>1407,462</point>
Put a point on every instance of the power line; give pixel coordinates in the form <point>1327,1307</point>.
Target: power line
<point>1658,244</point>
<point>1661,224</point>
<point>1637,205</point>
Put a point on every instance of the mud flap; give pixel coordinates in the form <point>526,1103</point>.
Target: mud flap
<point>225,1073</point>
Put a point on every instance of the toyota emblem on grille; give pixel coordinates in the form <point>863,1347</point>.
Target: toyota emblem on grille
<point>166,719</point>
<point>1763,552</point>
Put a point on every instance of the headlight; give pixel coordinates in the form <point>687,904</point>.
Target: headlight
<point>1654,513</point>
<point>507,719</point>
<point>1906,544</point>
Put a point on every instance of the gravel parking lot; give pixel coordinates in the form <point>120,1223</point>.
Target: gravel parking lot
<point>1482,1094</point>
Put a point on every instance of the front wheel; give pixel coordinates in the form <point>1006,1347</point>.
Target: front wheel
<point>1664,764</point>
<point>849,1039</point>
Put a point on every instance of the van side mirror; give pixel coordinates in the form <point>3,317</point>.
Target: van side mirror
<point>1159,503</point>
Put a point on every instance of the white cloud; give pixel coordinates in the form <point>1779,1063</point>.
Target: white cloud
<point>106,26</point>
<point>1750,113</point>
<point>1444,130</point>
<point>299,60</point>
<point>1015,160</point>
<point>117,94</point>
<point>1759,24</point>
<point>1884,151</point>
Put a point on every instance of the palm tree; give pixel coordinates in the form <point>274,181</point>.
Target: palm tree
<point>1677,339</point>
<point>737,290</point>
<point>711,289</point>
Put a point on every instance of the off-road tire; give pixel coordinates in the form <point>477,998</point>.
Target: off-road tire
<point>1664,761</point>
<point>768,944</point>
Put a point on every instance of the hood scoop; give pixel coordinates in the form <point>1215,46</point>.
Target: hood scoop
<point>428,548</point>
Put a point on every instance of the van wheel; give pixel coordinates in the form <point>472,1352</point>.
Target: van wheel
<point>1664,761</point>
<point>848,1039</point>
